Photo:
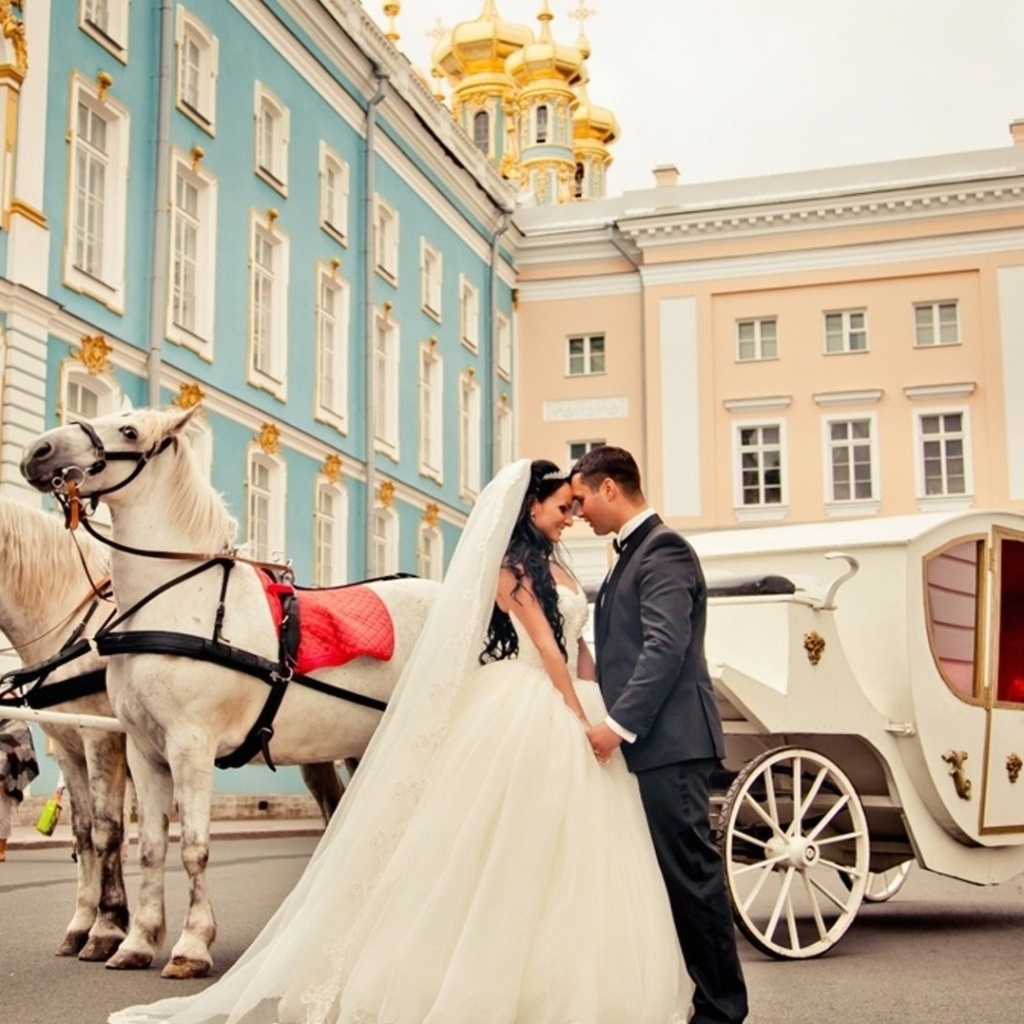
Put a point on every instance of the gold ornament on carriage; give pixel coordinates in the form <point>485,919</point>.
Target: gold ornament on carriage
<point>955,759</point>
<point>1013,766</point>
<point>814,645</point>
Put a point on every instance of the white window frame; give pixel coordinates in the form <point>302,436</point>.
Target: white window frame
<point>430,552</point>
<point>946,499</point>
<point>335,184</point>
<point>431,279</point>
<point>268,355</point>
<point>935,325</point>
<point>504,441</point>
<point>384,524</point>
<point>103,281</point>
<point>385,239</point>
<point>431,413</point>
<point>203,222</point>
<point>274,504</point>
<point>503,360</point>
<point>487,148</point>
<point>270,155</point>
<point>588,355</point>
<point>847,331</point>
<point>588,445</point>
<point>547,127</point>
<point>330,565</point>
<point>386,350</point>
<point>852,505</point>
<point>191,35</point>
<point>112,34</point>
<point>469,436</point>
<point>332,347</point>
<point>762,509</point>
<point>469,313</point>
<point>758,340</point>
<point>104,388</point>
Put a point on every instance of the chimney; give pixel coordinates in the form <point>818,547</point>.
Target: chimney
<point>667,175</point>
<point>1016,132</point>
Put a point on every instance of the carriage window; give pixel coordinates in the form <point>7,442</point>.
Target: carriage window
<point>1011,621</point>
<point>952,584</point>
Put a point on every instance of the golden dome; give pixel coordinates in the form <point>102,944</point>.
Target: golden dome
<point>545,58</point>
<point>480,46</point>
<point>590,121</point>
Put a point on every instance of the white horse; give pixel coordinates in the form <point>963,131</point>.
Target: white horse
<point>44,596</point>
<point>180,714</point>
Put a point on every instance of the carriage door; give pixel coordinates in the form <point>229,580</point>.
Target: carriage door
<point>1003,801</point>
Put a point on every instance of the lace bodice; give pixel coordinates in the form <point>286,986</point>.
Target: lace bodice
<point>573,606</point>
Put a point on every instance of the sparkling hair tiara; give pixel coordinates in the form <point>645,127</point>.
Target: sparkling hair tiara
<point>553,474</point>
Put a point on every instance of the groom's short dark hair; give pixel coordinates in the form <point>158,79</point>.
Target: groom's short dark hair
<point>609,461</point>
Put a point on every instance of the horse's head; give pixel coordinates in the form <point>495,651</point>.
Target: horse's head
<point>102,455</point>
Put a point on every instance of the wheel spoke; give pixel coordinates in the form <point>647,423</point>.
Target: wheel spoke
<point>768,862</point>
<point>828,816</point>
<point>840,905</point>
<point>840,838</point>
<point>812,899</point>
<point>794,825</point>
<point>759,811</point>
<point>747,838</point>
<point>804,806</point>
<point>755,890</point>
<point>780,902</point>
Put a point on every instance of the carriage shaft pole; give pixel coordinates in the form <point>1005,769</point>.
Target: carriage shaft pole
<point>63,718</point>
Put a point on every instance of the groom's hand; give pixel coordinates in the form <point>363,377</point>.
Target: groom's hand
<point>604,741</point>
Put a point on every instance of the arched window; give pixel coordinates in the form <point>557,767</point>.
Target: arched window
<point>581,173</point>
<point>542,124</point>
<point>330,528</point>
<point>482,131</point>
<point>265,491</point>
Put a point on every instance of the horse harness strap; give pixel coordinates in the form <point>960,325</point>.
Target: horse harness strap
<point>186,645</point>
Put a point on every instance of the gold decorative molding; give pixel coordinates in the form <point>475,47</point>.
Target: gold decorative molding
<point>269,438</point>
<point>94,353</point>
<point>189,395</point>
<point>955,759</point>
<point>814,645</point>
<point>432,514</point>
<point>197,153</point>
<point>1013,766</point>
<point>272,215</point>
<point>14,30</point>
<point>391,10</point>
<point>20,208</point>
<point>331,467</point>
<point>386,494</point>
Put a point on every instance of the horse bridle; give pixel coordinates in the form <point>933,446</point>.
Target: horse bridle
<point>71,476</point>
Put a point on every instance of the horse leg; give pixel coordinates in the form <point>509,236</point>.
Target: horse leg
<point>322,781</point>
<point>87,891</point>
<point>107,777</point>
<point>193,787</point>
<point>154,790</point>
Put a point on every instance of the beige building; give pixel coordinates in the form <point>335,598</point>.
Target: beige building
<point>845,342</point>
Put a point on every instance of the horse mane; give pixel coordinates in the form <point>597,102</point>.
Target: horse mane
<point>39,559</point>
<point>195,506</point>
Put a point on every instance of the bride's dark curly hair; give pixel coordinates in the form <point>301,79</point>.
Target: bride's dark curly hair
<point>528,555</point>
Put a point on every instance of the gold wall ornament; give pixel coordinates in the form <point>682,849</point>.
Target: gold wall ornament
<point>104,80</point>
<point>269,438</point>
<point>189,395</point>
<point>331,467</point>
<point>14,30</point>
<point>814,645</point>
<point>432,514</point>
<point>94,354</point>
<point>1013,766</point>
<point>197,153</point>
<point>955,759</point>
<point>386,493</point>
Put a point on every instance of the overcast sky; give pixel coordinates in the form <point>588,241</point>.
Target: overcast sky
<point>735,88</point>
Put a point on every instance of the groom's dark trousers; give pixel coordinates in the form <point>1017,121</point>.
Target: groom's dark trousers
<point>649,635</point>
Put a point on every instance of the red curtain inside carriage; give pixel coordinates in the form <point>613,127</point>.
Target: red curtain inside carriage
<point>1011,621</point>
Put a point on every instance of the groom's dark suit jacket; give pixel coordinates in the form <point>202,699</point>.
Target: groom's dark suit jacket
<point>649,636</point>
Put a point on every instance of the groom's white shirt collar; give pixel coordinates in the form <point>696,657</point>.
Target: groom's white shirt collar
<point>629,526</point>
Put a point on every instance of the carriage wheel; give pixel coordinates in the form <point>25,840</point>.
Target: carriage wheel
<point>796,849</point>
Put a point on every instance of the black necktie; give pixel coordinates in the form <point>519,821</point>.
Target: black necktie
<point>618,545</point>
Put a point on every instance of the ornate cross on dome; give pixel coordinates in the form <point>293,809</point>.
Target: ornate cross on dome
<point>581,13</point>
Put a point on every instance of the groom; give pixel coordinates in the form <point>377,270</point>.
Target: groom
<point>649,636</point>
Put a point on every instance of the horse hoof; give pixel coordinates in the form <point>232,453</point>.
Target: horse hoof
<point>100,948</point>
<point>72,944</point>
<point>185,967</point>
<point>129,961</point>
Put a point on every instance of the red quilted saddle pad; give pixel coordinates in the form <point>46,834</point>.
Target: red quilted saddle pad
<point>337,625</point>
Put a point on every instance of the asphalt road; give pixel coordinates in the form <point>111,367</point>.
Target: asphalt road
<point>940,951</point>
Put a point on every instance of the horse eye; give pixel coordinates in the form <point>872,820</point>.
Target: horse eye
<point>130,433</point>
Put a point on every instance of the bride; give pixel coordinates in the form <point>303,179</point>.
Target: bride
<point>483,867</point>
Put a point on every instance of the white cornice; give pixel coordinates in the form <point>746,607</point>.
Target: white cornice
<point>753,404</point>
<point>924,391</point>
<point>695,224</point>
<point>868,396</point>
<point>580,287</point>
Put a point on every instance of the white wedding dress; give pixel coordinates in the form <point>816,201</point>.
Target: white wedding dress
<point>522,888</point>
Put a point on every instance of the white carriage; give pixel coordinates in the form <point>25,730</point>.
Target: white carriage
<point>874,715</point>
